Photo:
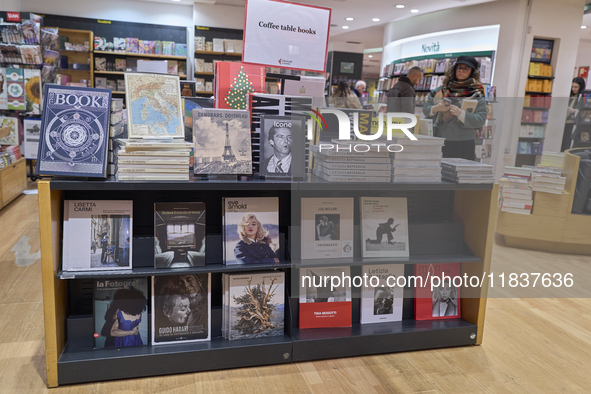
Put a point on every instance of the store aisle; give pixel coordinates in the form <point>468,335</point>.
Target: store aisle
<point>530,345</point>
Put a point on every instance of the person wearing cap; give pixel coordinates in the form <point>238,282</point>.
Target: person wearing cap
<point>458,126</point>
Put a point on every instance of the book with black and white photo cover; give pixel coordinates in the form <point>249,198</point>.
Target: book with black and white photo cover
<point>179,234</point>
<point>325,304</point>
<point>436,297</point>
<point>327,228</point>
<point>379,302</point>
<point>256,305</point>
<point>181,306</point>
<point>222,141</point>
<point>251,230</point>
<point>121,312</point>
<point>32,132</point>
<point>99,235</point>
<point>384,227</point>
<point>283,146</point>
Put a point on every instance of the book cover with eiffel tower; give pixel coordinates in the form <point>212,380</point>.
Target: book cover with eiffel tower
<point>222,142</point>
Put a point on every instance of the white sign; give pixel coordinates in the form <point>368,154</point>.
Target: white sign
<point>287,35</point>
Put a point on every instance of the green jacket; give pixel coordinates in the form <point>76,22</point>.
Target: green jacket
<point>455,130</point>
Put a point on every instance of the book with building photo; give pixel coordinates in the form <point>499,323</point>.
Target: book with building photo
<point>384,227</point>
<point>121,312</point>
<point>322,303</point>
<point>381,298</point>
<point>436,297</point>
<point>98,235</point>
<point>251,230</point>
<point>222,142</point>
<point>327,228</point>
<point>181,308</point>
<point>179,234</point>
<point>283,146</point>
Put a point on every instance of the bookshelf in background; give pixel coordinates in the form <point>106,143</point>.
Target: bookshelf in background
<point>76,58</point>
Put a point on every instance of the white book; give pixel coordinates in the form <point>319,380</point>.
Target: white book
<point>99,235</point>
<point>176,162</point>
<point>218,45</point>
<point>155,154</point>
<point>166,169</point>
<point>327,228</point>
<point>384,227</point>
<point>345,178</point>
<point>151,176</point>
<point>379,302</point>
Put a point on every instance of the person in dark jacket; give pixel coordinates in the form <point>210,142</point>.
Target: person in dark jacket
<point>401,98</point>
<point>574,103</point>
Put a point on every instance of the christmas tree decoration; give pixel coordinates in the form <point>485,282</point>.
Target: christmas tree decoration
<point>238,92</point>
<point>233,82</point>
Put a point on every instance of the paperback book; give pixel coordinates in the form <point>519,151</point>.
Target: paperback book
<point>121,312</point>
<point>181,308</point>
<point>32,131</point>
<point>379,302</point>
<point>442,300</point>
<point>179,234</point>
<point>384,227</point>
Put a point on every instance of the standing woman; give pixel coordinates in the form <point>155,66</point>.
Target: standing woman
<point>572,110</point>
<point>457,126</point>
<point>343,97</point>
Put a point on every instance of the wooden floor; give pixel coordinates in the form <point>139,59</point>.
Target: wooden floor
<point>530,345</point>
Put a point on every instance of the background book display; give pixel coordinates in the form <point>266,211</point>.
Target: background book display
<point>382,303</point>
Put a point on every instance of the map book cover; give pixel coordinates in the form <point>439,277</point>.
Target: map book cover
<point>251,230</point>
<point>179,234</point>
<point>380,302</point>
<point>327,228</point>
<point>181,306</point>
<point>234,81</point>
<point>321,304</point>
<point>256,305</point>
<point>74,131</point>
<point>384,227</point>
<point>98,235</point>
<point>443,302</point>
<point>121,312</point>
<point>222,141</point>
<point>154,108</point>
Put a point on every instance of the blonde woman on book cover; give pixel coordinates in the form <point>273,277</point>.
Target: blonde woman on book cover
<point>254,245</point>
<point>444,105</point>
<point>445,301</point>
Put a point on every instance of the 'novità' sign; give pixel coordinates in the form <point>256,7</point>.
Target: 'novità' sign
<point>434,47</point>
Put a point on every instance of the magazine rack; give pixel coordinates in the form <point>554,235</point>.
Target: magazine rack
<point>67,297</point>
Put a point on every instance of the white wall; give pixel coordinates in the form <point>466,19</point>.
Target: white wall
<point>224,16</point>
<point>584,54</point>
<point>11,5</point>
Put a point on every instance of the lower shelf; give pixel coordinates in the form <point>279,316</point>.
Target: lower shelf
<point>367,339</point>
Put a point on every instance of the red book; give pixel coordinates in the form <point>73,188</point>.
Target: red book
<point>436,297</point>
<point>233,82</point>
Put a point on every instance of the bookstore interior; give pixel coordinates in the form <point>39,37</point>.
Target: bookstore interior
<point>204,179</point>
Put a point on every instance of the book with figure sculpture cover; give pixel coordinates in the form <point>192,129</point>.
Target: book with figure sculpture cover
<point>384,227</point>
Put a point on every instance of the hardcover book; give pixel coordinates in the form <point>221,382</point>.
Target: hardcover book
<point>379,302</point>
<point>181,306</point>
<point>8,130</point>
<point>3,92</point>
<point>233,82</point>
<point>256,304</point>
<point>15,88</point>
<point>222,141</point>
<point>251,230</point>
<point>187,88</point>
<point>327,228</point>
<point>121,312</point>
<point>283,146</point>
<point>443,302</point>
<point>32,132</point>
<point>98,235</point>
<point>323,305</point>
<point>74,131</point>
<point>384,227</point>
<point>33,91</point>
<point>179,234</point>
<point>154,107</point>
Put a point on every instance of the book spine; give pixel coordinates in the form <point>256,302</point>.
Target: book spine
<point>154,153</point>
<point>121,170</point>
<point>164,177</point>
<point>153,162</point>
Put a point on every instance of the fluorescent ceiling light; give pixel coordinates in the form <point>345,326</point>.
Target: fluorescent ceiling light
<point>376,19</point>
<point>349,19</point>
<point>414,11</point>
<point>400,6</point>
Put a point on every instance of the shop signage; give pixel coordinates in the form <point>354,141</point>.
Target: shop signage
<point>13,16</point>
<point>288,35</point>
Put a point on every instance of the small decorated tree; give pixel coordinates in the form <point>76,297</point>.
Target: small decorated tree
<point>237,95</point>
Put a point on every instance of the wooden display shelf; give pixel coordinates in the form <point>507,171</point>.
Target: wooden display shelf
<point>203,73</point>
<point>13,180</point>
<point>110,72</point>
<point>204,92</point>
<point>538,77</point>
<point>538,93</point>
<point>217,53</point>
<point>147,55</point>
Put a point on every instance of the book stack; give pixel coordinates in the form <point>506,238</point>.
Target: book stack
<point>516,196</point>
<point>466,171</point>
<point>345,166</point>
<point>547,180</point>
<point>253,305</point>
<point>116,130</point>
<point>419,161</point>
<point>153,160</point>
<point>552,159</point>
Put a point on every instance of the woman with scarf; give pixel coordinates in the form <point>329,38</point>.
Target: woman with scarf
<point>444,104</point>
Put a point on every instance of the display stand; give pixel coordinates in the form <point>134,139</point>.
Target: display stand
<point>13,181</point>
<point>69,354</point>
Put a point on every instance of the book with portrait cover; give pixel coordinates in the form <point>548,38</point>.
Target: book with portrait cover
<point>256,304</point>
<point>283,146</point>
<point>380,302</point>
<point>321,304</point>
<point>121,312</point>
<point>327,228</point>
<point>179,234</point>
<point>181,306</point>
<point>384,227</point>
<point>234,81</point>
<point>74,131</point>
<point>222,141</point>
<point>443,302</point>
<point>251,230</point>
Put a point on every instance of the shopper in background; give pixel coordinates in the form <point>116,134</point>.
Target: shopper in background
<point>343,97</point>
<point>577,87</point>
<point>401,98</point>
<point>360,88</point>
<point>444,105</point>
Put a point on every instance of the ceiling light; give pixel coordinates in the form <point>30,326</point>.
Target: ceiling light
<point>376,19</point>
<point>345,27</point>
<point>370,56</point>
<point>349,19</point>
<point>583,27</point>
<point>176,0</point>
<point>400,6</point>
<point>414,11</point>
